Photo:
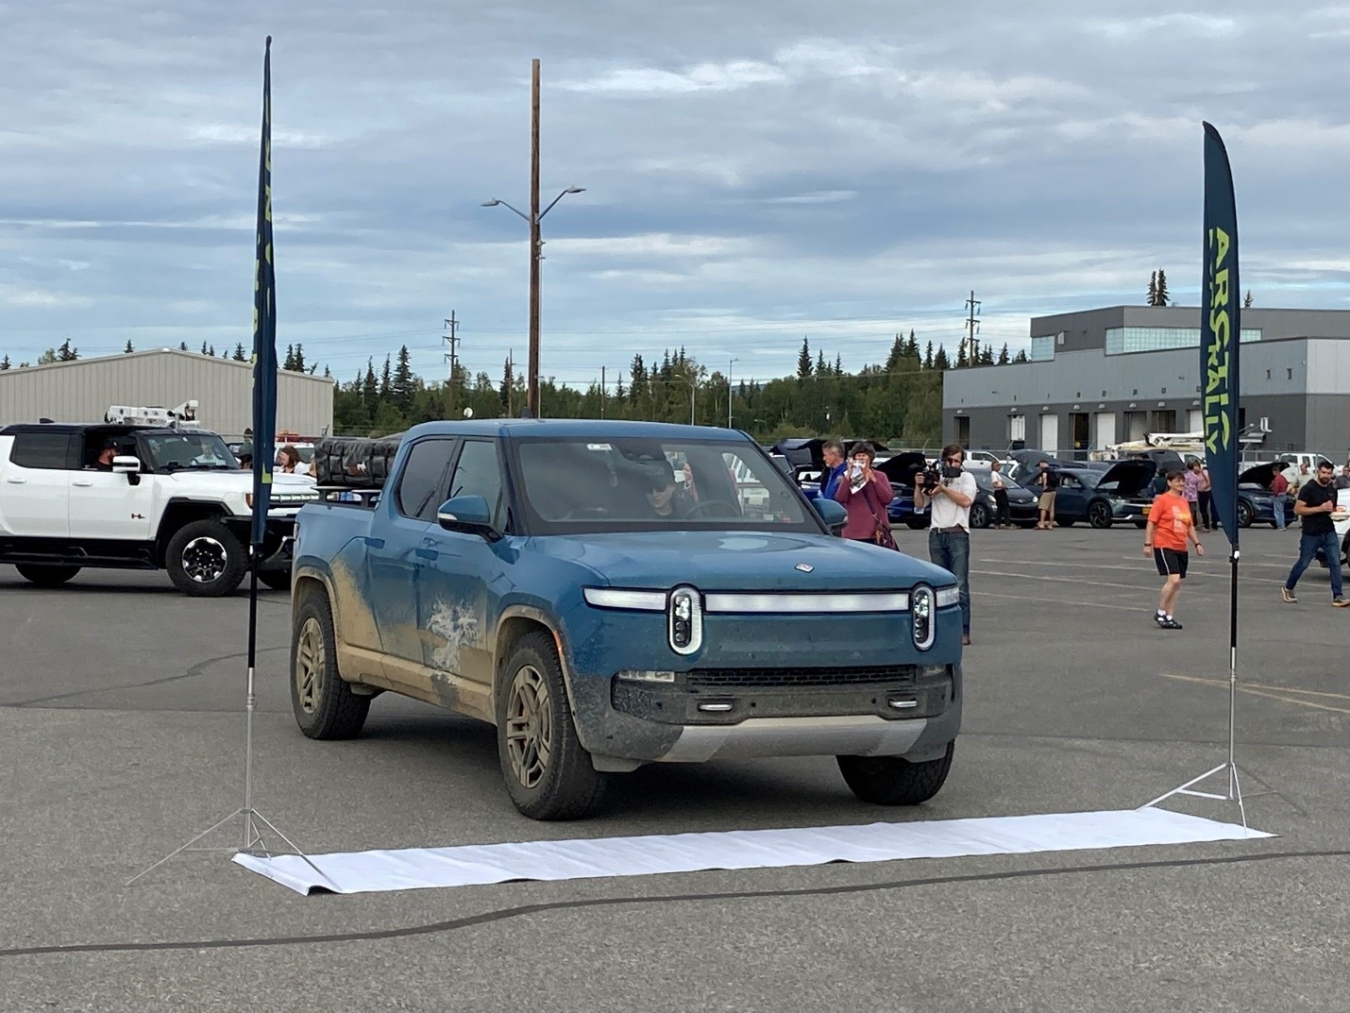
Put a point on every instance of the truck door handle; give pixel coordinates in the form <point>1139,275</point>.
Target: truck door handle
<point>375,543</point>
<point>426,553</point>
<point>83,481</point>
<point>16,480</point>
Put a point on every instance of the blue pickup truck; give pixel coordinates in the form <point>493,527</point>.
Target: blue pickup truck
<point>610,594</point>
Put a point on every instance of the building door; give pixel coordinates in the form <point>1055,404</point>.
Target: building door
<point>1106,429</point>
<point>963,430</point>
<point>1050,433</point>
<point>1136,425</point>
<point>1164,421</point>
<point>1017,429</point>
<point>1080,431</point>
<point>1195,421</point>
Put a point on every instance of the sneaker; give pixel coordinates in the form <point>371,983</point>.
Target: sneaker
<point>1287,595</point>
<point>1340,603</point>
<point>1161,619</point>
<point>1170,624</point>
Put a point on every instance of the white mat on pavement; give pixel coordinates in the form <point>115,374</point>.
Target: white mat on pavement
<point>479,864</point>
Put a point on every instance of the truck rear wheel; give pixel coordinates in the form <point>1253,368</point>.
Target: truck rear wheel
<point>46,576</point>
<point>325,706</point>
<point>549,776</point>
<point>893,780</point>
<point>205,559</point>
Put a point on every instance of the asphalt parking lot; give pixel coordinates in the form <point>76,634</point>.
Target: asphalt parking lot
<point>121,733</point>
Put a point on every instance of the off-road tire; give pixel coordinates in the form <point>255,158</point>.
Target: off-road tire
<point>979,515</point>
<point>46,576</point>
<point>892,780</point>
<point>1099,515</point>
<point>566,786</point>
<point>323,702</point>
<point>277,580</point>
<point>206,536</point>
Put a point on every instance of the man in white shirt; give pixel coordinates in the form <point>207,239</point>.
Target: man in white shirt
<point>949,531</point>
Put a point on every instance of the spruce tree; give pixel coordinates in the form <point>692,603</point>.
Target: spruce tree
<point>961,359</point>
<point>182,346</point>
<point>4,363</point>
<point>300,359</point>
<point>940,360</point>
<point>404,386</point>
<point>804,360</point>
<point>508,384</point>
<point>1153,289</point>
<point>203,347</point>
<point>386,386</point>
<point>128,350</point>
<point>821,368</point>
<point>928,355</point>
<point>66,353</point>
<point>1163,294</point>
<point>370,390</point>
<point>838,364</point>
<point>239,355</point>
<point>289,361</point>
<point>212,351</point>
<point>1003,355</point>
<point>1021,356</point>
<point>1247,301</point>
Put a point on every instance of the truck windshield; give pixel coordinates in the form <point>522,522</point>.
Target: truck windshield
<point>198,451</point>
<point>636,484</point>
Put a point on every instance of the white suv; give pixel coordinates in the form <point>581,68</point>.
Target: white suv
<point>171,499</point>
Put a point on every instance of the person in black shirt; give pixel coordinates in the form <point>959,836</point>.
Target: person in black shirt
<point>1048,480</point>
<point>1315,504</point>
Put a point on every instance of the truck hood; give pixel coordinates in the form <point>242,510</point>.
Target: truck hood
<point>740,560</point>
<point>226,483</point>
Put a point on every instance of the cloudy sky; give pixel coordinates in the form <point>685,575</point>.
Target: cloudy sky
<point>755,171</point>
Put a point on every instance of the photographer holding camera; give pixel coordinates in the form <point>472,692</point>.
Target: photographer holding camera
<point>950,490</point>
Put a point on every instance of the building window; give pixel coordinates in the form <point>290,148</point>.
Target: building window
<point>1290,372</point>
<point>1123,340</point>
<point>1042,348</point>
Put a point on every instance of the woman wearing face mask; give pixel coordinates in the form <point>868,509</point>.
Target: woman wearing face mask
<point>864,494</point>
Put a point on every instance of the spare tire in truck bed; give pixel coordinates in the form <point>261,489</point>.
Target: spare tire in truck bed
<point>354,462</point>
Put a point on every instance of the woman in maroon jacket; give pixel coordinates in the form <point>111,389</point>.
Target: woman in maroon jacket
<point>867,506</point>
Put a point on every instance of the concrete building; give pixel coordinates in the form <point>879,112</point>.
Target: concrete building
<point>82,391</point>
<point>1109,375</point>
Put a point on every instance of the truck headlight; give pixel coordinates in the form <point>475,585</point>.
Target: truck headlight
<point>685,620</point>
<point>923,616</point>
<point>646,676</point>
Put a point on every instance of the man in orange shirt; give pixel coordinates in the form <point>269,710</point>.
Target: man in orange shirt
<point>1170,526</point>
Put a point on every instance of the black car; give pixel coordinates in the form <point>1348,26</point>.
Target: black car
<point>1101,498</point>
<point>1022,508</point>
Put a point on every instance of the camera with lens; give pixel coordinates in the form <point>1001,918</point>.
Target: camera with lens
<point>932,478</point>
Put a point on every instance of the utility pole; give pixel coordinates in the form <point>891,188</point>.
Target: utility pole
<point>973,326</point>
<point>729,390</point>
<point>452,326</point>
<point>535,250</point>
<point>602,392</point>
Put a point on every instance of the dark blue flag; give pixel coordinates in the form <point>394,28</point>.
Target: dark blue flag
<point>264,324</point>
<point>1220,330</point>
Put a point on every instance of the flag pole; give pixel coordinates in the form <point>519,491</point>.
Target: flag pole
<point>1220,384</point>
<point>264,435</point>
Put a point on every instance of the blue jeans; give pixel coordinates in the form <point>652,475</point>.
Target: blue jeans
<point>1280,500</point>
<point>1307,552</point>
<point>951,551</point>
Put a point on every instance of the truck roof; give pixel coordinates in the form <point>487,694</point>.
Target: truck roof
<point>524,429</point>
<point>82,427</point>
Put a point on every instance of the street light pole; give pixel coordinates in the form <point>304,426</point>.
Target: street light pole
<point>532,395</point>
<point>729,389</point>
<point>533,219</point>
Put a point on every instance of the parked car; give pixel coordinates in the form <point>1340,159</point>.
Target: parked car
<point>1022,508</point>
<point>1102,498</point>
<point>528,574</point>
<point>1256,503</point>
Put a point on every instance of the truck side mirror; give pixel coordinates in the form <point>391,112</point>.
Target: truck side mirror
<point>128,465</point>
<point>469,514</point>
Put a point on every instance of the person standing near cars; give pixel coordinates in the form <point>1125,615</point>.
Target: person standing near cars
<point>1315,504</point>
<point>1048,480</point>
<point>1192,492</point>
<point>1204,491</point>
<point>1171,525</point>
<point>949,531</point>
<point>864,494</point>
<point>832,451</point>
<point>1279,487</point>
<point>1000,484</point>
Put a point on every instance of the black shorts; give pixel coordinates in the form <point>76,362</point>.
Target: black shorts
<point>1171,561</point>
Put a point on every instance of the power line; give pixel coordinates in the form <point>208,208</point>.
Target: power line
<point>452,326</point>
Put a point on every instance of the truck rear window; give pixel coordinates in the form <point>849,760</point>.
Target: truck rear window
<point>41,450</point>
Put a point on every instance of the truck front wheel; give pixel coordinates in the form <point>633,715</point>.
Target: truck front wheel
<point>205,559</point>
<point>549,776</point>
<point>893,780</point>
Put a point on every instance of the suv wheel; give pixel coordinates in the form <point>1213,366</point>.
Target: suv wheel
<point>46,576</point>
<point>325,706</point>
<point>892,780</point>
<point>1099,515</point>
<point>1244,515</point>
<point>549,776</point>
<point>205,559</point>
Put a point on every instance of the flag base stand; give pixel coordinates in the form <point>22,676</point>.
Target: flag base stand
<point>254,842</point>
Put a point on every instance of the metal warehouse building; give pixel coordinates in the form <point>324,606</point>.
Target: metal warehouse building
<point>1111,375</point>
<point>83,390</point>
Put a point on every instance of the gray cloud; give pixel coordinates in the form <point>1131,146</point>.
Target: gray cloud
<point>753,171</point>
